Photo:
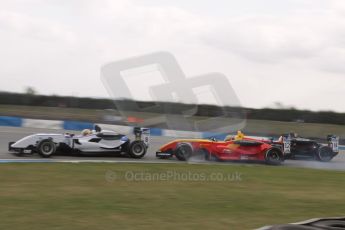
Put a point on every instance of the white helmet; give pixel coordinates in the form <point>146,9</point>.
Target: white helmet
<point>86,132</point>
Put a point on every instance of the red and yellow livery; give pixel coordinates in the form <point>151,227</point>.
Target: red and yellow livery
<point>232,149</point>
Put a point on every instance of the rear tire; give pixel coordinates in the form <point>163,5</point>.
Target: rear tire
<point>324,154</point>
<point>183,152</point>
<point>137,149</point>
<point>274,156</point>
<point>46,148</point>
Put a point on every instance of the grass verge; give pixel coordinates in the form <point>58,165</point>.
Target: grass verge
<point>176,196</point>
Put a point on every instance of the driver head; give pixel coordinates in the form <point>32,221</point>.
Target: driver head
<point>86,132</point>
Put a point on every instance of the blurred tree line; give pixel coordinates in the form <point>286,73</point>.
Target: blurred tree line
<point>281,114</point>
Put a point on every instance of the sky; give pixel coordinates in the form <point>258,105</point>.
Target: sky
<point>291,51</point>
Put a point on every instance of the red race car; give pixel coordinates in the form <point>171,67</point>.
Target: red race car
<point>231,149</point>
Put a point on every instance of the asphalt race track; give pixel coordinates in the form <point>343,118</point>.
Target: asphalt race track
<point>8,134</point>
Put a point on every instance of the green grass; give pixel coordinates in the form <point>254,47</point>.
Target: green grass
<point>89,196</point>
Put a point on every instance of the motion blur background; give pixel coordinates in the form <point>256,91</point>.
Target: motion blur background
<point>284,60</point>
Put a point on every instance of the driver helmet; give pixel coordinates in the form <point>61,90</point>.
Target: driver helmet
<point>86,132</point>
<point>239,135</point>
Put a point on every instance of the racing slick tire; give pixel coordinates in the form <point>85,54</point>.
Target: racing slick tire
<point>46,148</point>
<point>274,156</point>
<point>183,152</point>
<point>324,154</point>
<point>137,149</point>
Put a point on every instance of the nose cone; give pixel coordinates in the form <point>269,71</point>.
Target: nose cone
<point>24,142</point>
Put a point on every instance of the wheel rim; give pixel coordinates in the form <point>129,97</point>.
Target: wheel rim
<point>273,156</point>
<point>138,149</point>
<point>183,152</point>
<point>47,148</point>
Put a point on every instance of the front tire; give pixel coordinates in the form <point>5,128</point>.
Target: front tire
<point>274,156</point>
<point>183,152</point>
<point>324,154</point>
<point>137,149</point>
<point>46,148</point>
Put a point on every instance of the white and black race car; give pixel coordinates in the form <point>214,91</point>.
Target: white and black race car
<point>95,141</point>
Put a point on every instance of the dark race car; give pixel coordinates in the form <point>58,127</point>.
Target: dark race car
<point>298,148</point>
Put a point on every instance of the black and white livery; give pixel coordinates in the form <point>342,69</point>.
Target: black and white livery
<point>295,147</point>
<point>89,141</point>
